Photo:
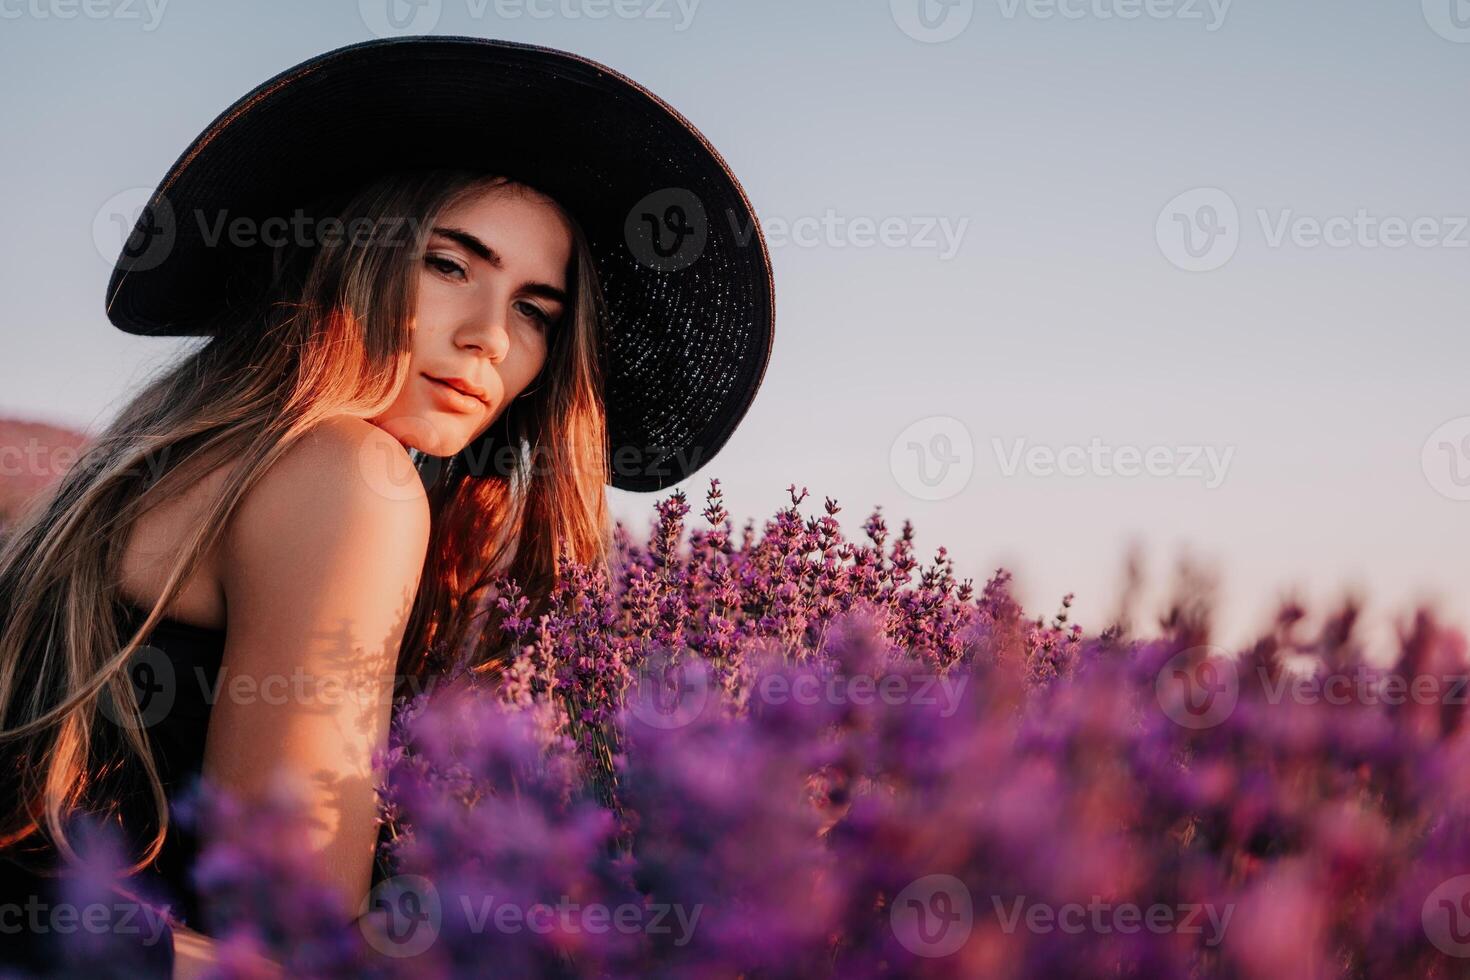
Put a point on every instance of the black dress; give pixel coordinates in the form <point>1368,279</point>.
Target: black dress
<point>174,674</point>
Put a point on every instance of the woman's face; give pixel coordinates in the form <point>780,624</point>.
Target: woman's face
<point>492,289</point>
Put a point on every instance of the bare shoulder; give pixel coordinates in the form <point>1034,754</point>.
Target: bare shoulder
<point>342,501</point>
<point>343,469</point>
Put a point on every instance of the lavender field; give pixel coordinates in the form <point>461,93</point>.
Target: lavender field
<point>784,752</point>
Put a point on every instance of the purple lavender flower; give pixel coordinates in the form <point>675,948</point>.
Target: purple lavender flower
<point>786,753</point>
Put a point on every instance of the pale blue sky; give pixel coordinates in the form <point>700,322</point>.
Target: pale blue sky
<point>1056,312</point>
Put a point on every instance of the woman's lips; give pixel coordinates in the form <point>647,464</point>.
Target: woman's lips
<point>450,396</point>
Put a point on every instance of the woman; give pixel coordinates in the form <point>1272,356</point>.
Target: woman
<point>452,287</point>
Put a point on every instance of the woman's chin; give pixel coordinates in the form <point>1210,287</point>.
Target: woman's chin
<point>429,435</point>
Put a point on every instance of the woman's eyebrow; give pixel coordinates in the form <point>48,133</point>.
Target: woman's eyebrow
<point>470,242</point>
<point>546,291</point>
<point>473,243</point>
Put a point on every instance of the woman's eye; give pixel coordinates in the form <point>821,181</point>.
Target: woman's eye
<point>537,313</point>
<point>447,266</point>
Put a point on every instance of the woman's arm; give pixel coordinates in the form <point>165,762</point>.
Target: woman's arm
<point>319,570</point>
<point>194,958</point>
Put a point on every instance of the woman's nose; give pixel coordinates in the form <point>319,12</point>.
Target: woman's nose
<point>489,335</point>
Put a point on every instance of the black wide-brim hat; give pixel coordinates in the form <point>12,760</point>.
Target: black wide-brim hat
<point>680,255</point>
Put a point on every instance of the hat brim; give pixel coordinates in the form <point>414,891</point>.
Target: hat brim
<point>679,252</point>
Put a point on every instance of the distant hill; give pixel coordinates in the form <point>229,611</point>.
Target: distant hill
<point>33,455</point>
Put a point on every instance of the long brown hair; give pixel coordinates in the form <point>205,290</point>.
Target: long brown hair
<point>329,335</point>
